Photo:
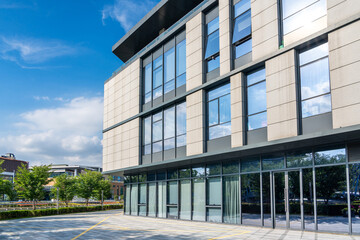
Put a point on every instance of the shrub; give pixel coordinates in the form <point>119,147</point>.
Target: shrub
<point>54,211</point>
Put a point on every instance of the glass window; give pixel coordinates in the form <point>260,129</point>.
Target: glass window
<point>354,170</point>
<point>162,199</point>
<point>181,125</point>
<point>250,164</point>
<point>134,199</point>
<point>198,199</point>
<point>185,199</point>
<point>256,100</point>
<point>219,112</point>
<point>147,88</point>
<point>169,70</point>
<point>198,172</point>
<point>242,28</point>
<point>330,156</point>
<point>250,199</point>
<point>166,72</point>
<point>231,199</point>
<point>212,46</point>
<point>315,81</point>
<point>152,200</point>
<point>231,167</point>
<point>142,200</point>
<point>272,162</point>
<point>172,174</point>
<point>181,63</point>
<point>213,191</point>
<point>147,135</point>
<point>127,199</point>
<point>298,159</point>
<point>172,192</point>
<point>213,169</point>
<point>297,14</point>
<point>169,128</point>
<point>184,173</point>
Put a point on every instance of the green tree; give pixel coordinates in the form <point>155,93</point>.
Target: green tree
<point>88,184</point>
<point>104,188</point>
<point>8,189</point>
<point>30,184</point>
<point>67,188</point>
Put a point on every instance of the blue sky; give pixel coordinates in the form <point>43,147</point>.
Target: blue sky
<point>54,59</point>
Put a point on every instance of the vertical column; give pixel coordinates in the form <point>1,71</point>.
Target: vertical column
<point>194,52</point>
<point>264,20</point>
<point>224,36</point>
<point>195,123</point>
<point>236,110</point>
<point>344,61</point>
<point>281,96</point>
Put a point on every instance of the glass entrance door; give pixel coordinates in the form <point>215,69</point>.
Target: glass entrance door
<point>287,199</point>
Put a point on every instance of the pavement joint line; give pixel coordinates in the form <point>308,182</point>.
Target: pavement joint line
<point>231,235</point>
<point>94,226</point>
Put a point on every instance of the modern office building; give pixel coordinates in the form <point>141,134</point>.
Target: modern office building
<point>10,166</point>
<point>239,111</point>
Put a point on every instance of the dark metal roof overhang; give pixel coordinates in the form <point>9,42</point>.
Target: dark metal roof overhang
<point>162,16</point>
<point>308,141</point>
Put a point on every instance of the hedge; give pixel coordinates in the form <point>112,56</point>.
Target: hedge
<point>54,211</point>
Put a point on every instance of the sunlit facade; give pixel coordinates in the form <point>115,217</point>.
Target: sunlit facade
<point>239,112</point>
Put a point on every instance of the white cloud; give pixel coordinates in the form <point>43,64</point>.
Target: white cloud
<point>30,52</point>
<point>127,12</point>
<point>69,134</point>
<point>38,98</point>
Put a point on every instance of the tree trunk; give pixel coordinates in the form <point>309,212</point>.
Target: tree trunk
<point>34,205</point>
<point>87,202</point>
<point>66,202</point>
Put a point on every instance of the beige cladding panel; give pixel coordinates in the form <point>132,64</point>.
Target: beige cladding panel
<point>224,36</point>
<point>121,146</point>
<point>122,95</point>
<point>264,22</point>
<point>338,10</point>
<point>194,52</point>
<point>236,110</point>
<point>344,61</point>
<point>194,126</point>
<point>281,96</point>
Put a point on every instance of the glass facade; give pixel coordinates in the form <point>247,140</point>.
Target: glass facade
<point>212,45</point>
<point>241,38</point>
<point>264,190</point>
<point>165,69</point>
<point>256,100</point>
<point>219,112</point>
<point>165,130</point>
<point>315,81</point>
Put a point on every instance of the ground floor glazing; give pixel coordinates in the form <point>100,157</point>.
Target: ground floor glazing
<point>304,190</point>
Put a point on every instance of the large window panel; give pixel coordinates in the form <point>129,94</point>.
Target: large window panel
<point>157,132</point>
<point>185,199</point>
<point>169,128</point>
<point>241,39</point>
<point>169,70</point>
<point>142,200</point>
<point>231,199</point>
<point>134,199</point>
<point>181,63</point>
<point>250,199</point>
<point>219,112</point>
<point>147,88</point>
<point>212,46</point>
<point>256,100</point>
<point>198,199</point>
<point>152,200</point>
<point>354,171</point>
<point>181,125</point>
<point>127,199</point>
<point>162,199</point>
<point>157,77</point>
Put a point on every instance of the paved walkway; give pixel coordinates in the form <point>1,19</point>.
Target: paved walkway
<point>114,225</point>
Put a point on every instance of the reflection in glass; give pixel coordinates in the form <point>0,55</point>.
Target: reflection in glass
<point>198,172</point>
<point>315,79</point>
<point>213,112</point>
<point>266,199</point>
<point>225,109</point>
<point>185,199</point>
<point>250,199</point>
<point>315,106</point>
<point>152,200</point>
<point>180,59</point>
<point>127,199</point>
<point>213,214</point>
<point>331,196</point>
<point>219,131</point>
<point>157,131</point>
<point>172,174</point>
<point>298,160</point>
<point>294,199</point>
<point>231,167</point>
<point>314,53</point>
<point>302,14</point>
<point>169,123</point>
<point>147,131</point>
<point>257,98</point>
<point>213,169</point>
<point>181,124</point>
<point>250,165</point>
<point>181,141</point>
<point>184,173</point>
<point>354,170</point>
<point>242,27</point>
<point>213,64</point>
<point>272,162</point>
<point>169,66</point>
<point>219,91</point>
<point>147,87</point>
<point>213,26</point>
<point>231,199</point>
<point>198,199</point>
<point>212,44</point>
<point>172,192</point>
<point>241,7</point>
<point>308,195</point>
<point>243,48</point>
<point>162,199</point>
<point>330,156</point>
<point>134,199</point>
<point>257,121</point>
<point>213,191</point>
<point>279,201</point>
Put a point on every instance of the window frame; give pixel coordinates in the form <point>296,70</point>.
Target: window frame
<point>211,16</point>
<point>245,38</point>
